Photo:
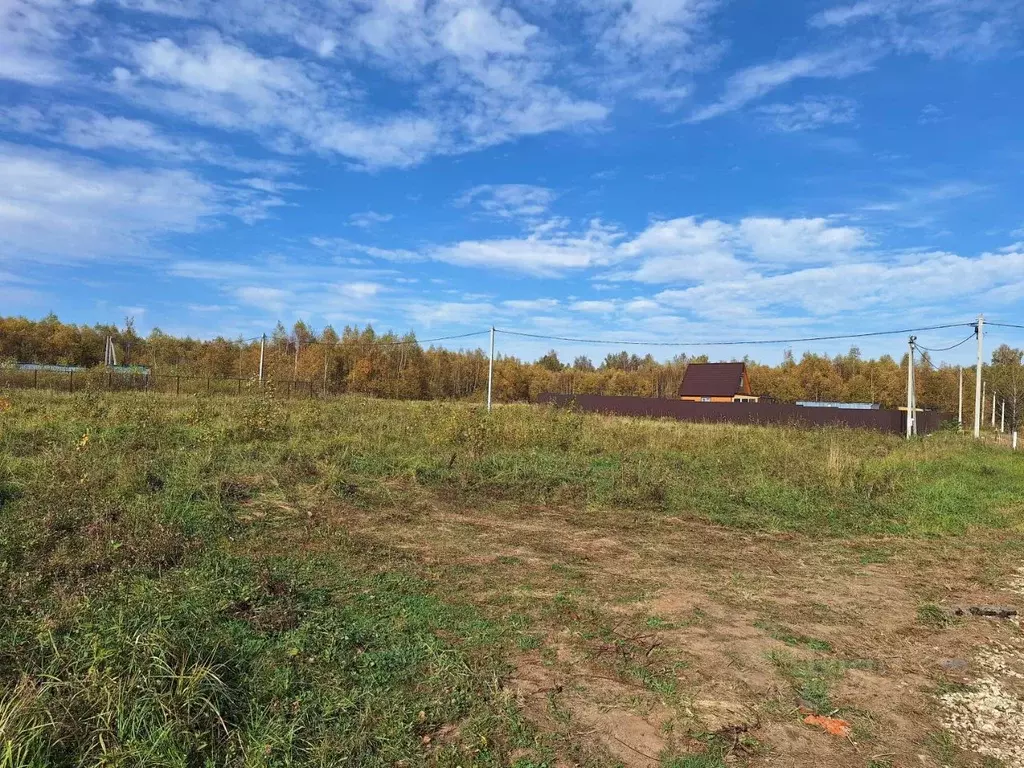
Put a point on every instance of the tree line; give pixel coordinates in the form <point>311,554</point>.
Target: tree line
<point>360,360</point>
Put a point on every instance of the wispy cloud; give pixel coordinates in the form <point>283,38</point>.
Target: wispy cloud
<point>508,201</point>
<point>809,114</point>
<point>937,28</point>
<point>368,219</point>
<point>61,207</point>
<point>757,81</point>
<point>85,128</point>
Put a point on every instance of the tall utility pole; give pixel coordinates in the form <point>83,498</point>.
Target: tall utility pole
<point>1002,417</point>
<point>910,387</point>
<point>980,331</point>
<point>993,409</point>
<point>490,372</point>
<point>263,344</point>
<point>960,419</point>
<point>295,370</point>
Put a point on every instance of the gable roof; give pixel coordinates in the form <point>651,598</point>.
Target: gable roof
<point>713,380</point>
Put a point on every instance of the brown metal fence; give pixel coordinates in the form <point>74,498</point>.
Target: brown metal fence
<point>99,379</point>
<point>747,413</point>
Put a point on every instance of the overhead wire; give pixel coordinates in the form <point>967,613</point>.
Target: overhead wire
<point>1003,325</point>
<point>946,349</point>
<point>399,342</point>
<point>730,343</point>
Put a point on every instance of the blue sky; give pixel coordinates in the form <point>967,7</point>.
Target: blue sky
<point>634,169</point>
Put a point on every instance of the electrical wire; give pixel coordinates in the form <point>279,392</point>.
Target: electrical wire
<point>400,342</point>
<point>731,343</point>
<point>1003,325</point>
<point>946,349</point>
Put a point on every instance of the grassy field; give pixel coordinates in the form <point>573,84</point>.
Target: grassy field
<point>243,581</point>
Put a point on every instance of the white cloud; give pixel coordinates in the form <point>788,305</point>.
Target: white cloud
<point>269,299</point>
<point>666,97</point>
<point>671,32</point>
<point>787,241</point>
<point>494,93</point>
<point>34,33</point>
<point>846,14</point>
<point>936,28</point>
<point>757,81</point>
<point>429,314</point>
<point>682,250</point>
<point>678,250</point>
<point>360,290</point>
<point>368,219</point>
<point>596,307</point>
<point>531,305</point>
<point>809,114</point>
<point>855,286</point>
<point>85,128</point>
<point>63,207</point>
<point>690,250</point>
<point>642,306</point>
<point>508,200</point>
<point>542,254</point>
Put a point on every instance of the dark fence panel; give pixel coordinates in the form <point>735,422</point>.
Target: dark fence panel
<point>745,413</point>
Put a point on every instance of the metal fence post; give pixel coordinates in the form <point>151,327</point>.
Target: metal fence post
<point>238,389</point>
<point>71,381</point>
<point>177,384</point>
<point>35,379</point>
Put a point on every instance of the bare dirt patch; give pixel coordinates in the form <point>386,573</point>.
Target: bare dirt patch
<point>986,715</point>
<point>652,638</point>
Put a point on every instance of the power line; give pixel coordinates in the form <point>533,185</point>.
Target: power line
<point>731,343</point>
<point>946,349</point>
<point>400,342</point>
<point>1004,325</point>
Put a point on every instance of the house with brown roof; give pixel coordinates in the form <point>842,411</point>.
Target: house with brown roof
<point>716,383</point>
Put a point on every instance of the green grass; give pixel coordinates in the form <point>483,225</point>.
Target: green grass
<point>934,616</point>
<point>830,482</point>
<point>702,760</point>
<point>813,680</point>
<point>174,592</point>
<point>785,635</point>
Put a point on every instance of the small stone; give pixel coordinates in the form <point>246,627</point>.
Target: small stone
<point>953,665</point>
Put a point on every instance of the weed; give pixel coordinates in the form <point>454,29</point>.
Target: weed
<point>785,635</point>
<point>177,588</point>
<point>529,642</point>
<point>875,556</point>
<point>934,616</point>
<point>812,680</point>
<point>702,760</point>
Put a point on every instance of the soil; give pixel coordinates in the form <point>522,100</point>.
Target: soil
<point>661,637</point>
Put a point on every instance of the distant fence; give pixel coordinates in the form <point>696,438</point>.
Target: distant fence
<point>747,413</point>
<point>106,380</point>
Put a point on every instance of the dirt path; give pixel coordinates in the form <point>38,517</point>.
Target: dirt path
<point>650,637</point>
